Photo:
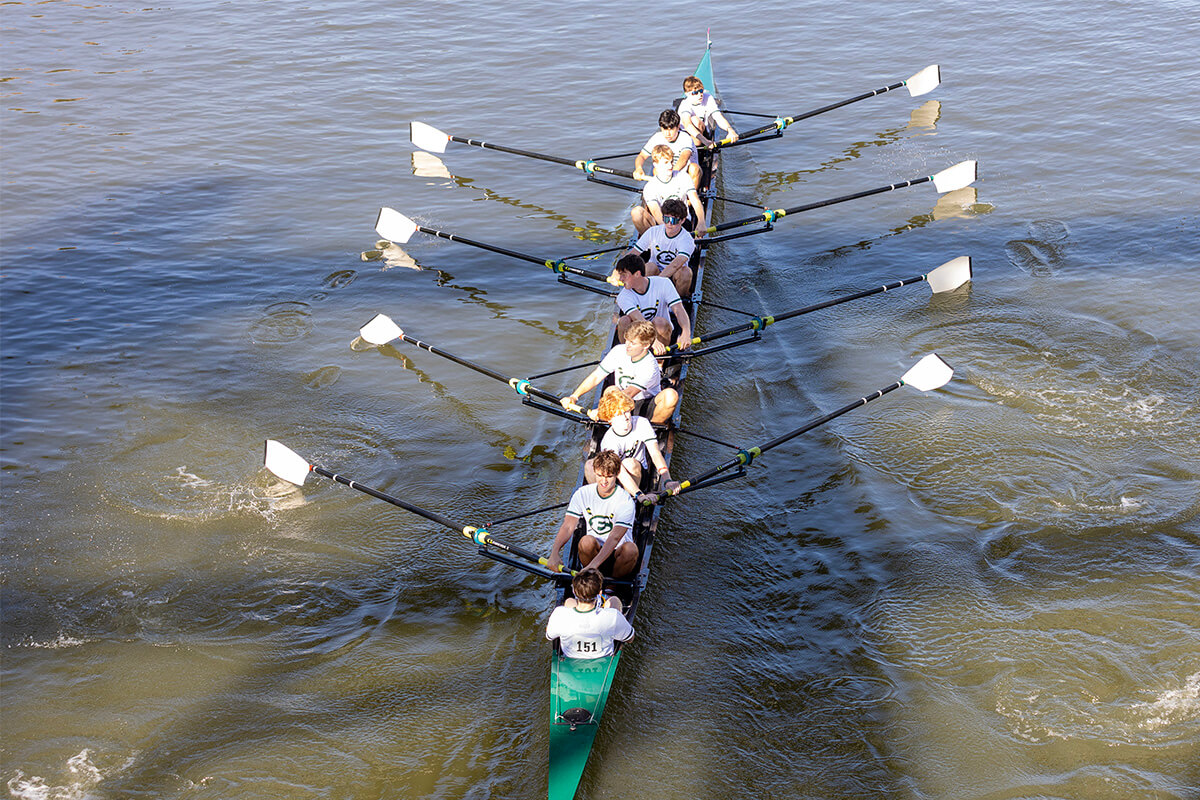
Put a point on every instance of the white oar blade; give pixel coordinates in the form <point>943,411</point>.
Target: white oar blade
<point>394,226</point>
<point>285,463</point>
<point>380,330</point>
<point>924,81</point>
<point>951,275</point>
<point>427,137</point>
<point>929,373</point>
<point>959,176</point>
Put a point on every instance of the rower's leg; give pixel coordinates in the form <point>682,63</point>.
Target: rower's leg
<point>662,326</point>
<point>683,281</point>
<point>589,474</point>
<point>642,219</point>
<point>633,468</point>
<point>664,405</point>
<point>626,559</point>
<point>589,548</point>
<point>622,326</point>
<point>693,171</point>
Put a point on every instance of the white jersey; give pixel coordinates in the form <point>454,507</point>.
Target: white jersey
<point>665,249</point>
<point>682,141</point>
<point>656,301</point>
<point>588,634</point>
<point>659,191</point>
<point>702,108</point>
<point>632,444</point>
<point>602,514</point>
<point>643,373</point>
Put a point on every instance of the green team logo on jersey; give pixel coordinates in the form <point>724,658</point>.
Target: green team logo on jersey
<point>600,523</point>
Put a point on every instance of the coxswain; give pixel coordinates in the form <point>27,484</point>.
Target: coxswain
<point>584,626</point>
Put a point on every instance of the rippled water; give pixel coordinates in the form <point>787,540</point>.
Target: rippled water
<point>990,591</point>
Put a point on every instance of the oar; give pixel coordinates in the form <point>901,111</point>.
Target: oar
<point>960,175</point>
<point>946,278</point>
<point>927,374</point>
<point>923,82</point>
<point>291,467</point>
<point>395,227</point>
<point>430,138</point>
<point>381,330</point>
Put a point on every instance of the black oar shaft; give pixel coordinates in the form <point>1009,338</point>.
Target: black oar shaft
<point>453,237</point>
<point>387,498</point>
<point>771,216</point>
<point>522,387</point>
<point>758,323</point>
<point>744,457</point>
<point>557,266</point>
<point>478,535</point>
<point>586,166</point>
<point>822,109</point>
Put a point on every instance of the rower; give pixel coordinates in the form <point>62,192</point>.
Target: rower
<point>699,109</point>
<point>584,627</point>
<point>681,145</point>
<point>633,439</point>
<point>668,248</point>
<point>607,510</point>
<point>654,299</point>
<point>665,184</point>
<point>636,372</point>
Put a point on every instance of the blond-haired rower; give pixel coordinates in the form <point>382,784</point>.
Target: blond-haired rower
<point>635,371</point>
<point>633,439</point>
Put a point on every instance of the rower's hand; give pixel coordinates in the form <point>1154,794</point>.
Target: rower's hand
<point>554,562</point>
<point>639,174</point>
<point>732,137</point>
<point>671,486</point>
<point>700,233</point>
<point>645,498</point>
<point>594,413</point>
<point>569,403</point>
<point>659,348</point>
<point>683,344</point>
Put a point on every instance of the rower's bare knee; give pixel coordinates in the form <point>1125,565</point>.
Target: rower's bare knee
<point>633,467</point>
<point>664,405</point>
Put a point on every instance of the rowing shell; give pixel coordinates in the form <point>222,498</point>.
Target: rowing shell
<point>579,688</point>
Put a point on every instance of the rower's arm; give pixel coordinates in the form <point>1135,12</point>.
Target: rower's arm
<point>698,207</point>
<point>588,384</point>
<point>685,325</point>
<point>719,118</point>
<point>639,171</point>
<point>561,538</point>
<point>610,544</point>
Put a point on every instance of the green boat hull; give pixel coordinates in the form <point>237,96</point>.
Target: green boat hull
<point>575,683</point>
